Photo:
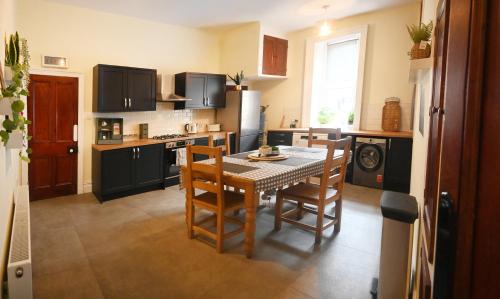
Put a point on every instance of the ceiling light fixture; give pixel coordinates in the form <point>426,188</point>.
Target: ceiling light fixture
<point>325,28</point>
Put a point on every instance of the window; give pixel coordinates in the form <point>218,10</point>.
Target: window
<point>333,81</point>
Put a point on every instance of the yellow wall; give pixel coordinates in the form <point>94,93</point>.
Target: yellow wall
<point>420,141</point>
<point>385,74</point>
<point>90,37</point>
<point>9,159</point>
<point>239,49</point>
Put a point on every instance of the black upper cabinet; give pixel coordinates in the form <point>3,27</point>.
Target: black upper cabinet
<point>118,89</point>
<point>397,173</point>
<point>204,90</point>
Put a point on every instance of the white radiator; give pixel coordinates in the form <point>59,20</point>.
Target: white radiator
<point>19,274</point>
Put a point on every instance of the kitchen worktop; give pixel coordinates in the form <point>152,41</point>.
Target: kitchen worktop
<point>370,133</point>
<point>142,142</point>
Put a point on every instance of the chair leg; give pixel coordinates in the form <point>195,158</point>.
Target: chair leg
<point>338,215</point>
<point>300,209</point>
<point>220,231</point>
<point>190,218</point>
<point>277,210</point>
<point>319,223</point>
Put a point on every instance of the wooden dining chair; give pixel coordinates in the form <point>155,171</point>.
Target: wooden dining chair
<point>226,147</point>
<point>208,178</point>
<point>333,134</point>
<point>328,191</point>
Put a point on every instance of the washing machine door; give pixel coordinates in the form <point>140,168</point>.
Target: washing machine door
<point>369,157</point>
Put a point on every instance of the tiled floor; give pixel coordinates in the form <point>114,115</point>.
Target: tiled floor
<point>136,247</point>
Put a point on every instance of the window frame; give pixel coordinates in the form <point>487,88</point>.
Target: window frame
<point>340,35</point>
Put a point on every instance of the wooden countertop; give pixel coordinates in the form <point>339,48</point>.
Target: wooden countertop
<point>141,142</point>
<point>370,133</point>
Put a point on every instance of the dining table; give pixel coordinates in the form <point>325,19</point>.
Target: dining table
<point>255,177</point>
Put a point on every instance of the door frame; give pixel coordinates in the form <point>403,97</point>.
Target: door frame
<point>81,126</point>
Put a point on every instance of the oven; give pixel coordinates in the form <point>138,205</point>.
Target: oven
<point>172,167</point>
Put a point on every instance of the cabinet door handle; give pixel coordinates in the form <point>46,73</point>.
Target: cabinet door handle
<point>129,102</point>
<point>125,102</point>
<point>138,153</point>
<point>133,156</point>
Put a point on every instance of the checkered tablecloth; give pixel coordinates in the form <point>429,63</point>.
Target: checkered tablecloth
<point>307,162</point>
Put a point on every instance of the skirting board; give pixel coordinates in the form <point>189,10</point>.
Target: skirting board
<point>87,187</point>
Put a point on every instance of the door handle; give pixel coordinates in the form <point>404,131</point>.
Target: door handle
<point>133,155</point>
<point>129,102</point>
<point>75,133</point>
<point>138,153</point>
<point>125,102</point>
<point>208,101</point>
<point>72,150</point>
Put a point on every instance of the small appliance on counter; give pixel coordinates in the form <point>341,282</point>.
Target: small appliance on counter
<point>213,128</point>
<point>191,128</point>
<point>109,131</point>
<point>143,131</point>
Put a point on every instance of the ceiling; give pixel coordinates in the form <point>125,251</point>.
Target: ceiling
<point>280,15</point>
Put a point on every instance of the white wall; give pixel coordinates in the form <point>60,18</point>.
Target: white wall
<point>9,159</point>
<point>90,37</point>
<point>386,68</point>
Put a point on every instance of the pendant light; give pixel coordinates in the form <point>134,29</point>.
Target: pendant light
<point>325,28</point>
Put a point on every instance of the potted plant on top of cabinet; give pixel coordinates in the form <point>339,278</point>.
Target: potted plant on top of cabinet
<point>237,79</point>
<point>420,36</point>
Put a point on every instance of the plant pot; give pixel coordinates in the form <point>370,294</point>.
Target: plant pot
<point>419,51</point>
<point>16,140</point>
<point>238,87</point>
<point>8,75</point>
<point>5,106</point>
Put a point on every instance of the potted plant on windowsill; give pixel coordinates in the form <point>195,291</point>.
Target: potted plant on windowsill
<point>237,79</point>
<point>14,129</point>
<point>420,36</point>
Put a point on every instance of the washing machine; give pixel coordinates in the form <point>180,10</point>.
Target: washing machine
<point>369,161</point>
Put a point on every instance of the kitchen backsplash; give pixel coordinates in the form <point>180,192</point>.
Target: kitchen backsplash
<point>164,120</point>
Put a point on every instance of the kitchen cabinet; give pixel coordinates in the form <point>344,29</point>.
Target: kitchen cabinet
<point>275,138</point>
<point>122,89</point>
<point>202,142</point>
<point>397,173</point>
<point>125,171</point>
<point>274,56</point>
<point>205,90</point>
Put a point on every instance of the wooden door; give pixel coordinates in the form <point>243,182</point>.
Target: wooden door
<point>118,170</point>
<point>436,112</point>
<point>141,86</point>
<point>110,89</point>
<point>53,111</point>
<point>216,91</point>
<point>280,56</point>
<point>267,55</point>
<point>147,169</point>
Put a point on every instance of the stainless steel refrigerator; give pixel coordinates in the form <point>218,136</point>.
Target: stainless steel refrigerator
<point>242,115</point>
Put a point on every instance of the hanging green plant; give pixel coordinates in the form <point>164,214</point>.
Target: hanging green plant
<point>17,60</point>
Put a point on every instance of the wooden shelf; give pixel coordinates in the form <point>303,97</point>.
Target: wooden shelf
<point>419,68</point>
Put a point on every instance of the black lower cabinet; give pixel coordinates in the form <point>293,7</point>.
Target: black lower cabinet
<point>203,142</point>
<point>125,171</point>
<point>397,173</point>
<point>275,138</point>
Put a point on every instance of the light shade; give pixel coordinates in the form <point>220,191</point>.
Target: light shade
<point>325,29</point>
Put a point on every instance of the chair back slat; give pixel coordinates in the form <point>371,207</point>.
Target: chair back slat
<point>226,147</point>
<point>339,163</point>
<point>207,177</point>
<point>330,131</point>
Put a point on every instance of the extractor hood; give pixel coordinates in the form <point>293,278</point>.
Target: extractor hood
<point>164,90</point>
